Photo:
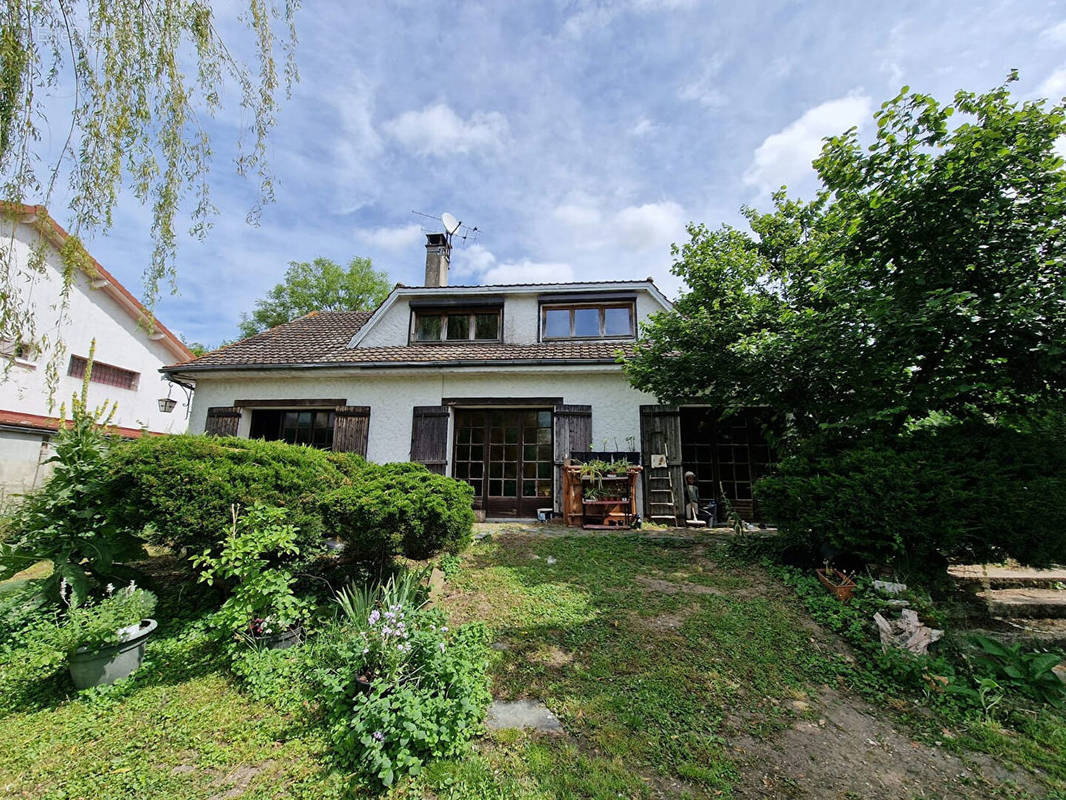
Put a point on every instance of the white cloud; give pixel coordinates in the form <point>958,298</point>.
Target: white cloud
<point>705,89</point>
<point>526,271</point>
<point>438,131</point>
<point>784,158</point>
<point>1054,86</point>
<point>471,260</point>
<point>652,226</point>
<point>394,239</point>
<point>1056,33</point>
<point>600,14</point>
<point>1060,147</point>
<point>643,127</point>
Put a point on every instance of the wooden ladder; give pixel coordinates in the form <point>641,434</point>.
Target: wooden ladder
<point>661,496</point>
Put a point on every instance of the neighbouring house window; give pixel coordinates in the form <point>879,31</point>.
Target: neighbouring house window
<point>312,427</point>
<point>587,322</point>
<point>103,373</point>
<point>457,326</point>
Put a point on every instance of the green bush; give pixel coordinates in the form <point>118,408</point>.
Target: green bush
<point>180,488</point>
<point>401,509</point>
<point>67,521</point>
<point>960,491</point>
<point>257,558</point>
<point>428,708</point>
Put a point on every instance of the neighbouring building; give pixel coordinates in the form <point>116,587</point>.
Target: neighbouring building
<point>494,385</point>
<point>130,350</point>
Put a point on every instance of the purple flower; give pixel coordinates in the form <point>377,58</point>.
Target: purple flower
<point>374,617</point>
<point>379,736</point>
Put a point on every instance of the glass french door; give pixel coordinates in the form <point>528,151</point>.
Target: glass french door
<point>506,455</point>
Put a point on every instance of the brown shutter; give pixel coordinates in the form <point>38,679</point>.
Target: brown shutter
<point>429,437</point>
<point>660,432</point>
<point>351,427</point>
<point>222,421</point>
<point>572,434</point>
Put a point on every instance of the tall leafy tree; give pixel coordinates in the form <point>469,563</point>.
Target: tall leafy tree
<point>928,275</point>
<point>319,285</point>
<point>143,77</point>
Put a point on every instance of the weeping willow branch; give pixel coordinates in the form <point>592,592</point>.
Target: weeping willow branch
<point>142,74</point>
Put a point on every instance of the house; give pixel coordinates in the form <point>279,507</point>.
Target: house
<point>130,349</point>
<point>494,385</point>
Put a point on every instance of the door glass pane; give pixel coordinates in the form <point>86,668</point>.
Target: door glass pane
<point>428,327</point>
<point>616,322</point>
<point>458,326</point>
<point>586,322</point>
<point>487,326</point>
<point>556,323</point>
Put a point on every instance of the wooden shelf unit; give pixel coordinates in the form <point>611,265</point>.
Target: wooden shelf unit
<point>611,513</point>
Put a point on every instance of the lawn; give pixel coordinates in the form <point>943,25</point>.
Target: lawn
<point>675,671</point>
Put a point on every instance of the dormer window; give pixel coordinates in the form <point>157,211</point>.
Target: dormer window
<point>587,321</point>
<point>456,325</point>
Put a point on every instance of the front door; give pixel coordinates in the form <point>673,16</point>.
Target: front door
<point>506,455</point>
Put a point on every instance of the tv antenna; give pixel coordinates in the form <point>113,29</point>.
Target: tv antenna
<point>453,227</point>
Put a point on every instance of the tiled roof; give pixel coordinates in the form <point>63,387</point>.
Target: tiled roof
<point>322,338</point>
<point>308,339</point>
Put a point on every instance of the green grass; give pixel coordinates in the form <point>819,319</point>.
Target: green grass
<point>655,654</point>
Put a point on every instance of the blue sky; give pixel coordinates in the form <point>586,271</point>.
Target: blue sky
<point>580,137</point>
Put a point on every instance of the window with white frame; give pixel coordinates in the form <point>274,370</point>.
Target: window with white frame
<point>587,321</point>
<point>454,325</point>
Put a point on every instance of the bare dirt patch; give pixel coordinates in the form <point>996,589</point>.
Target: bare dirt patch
<point>240,779</point>
<point>670,587</point>
<point>845,748</point>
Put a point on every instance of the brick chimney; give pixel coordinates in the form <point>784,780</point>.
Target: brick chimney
<point>438,254</point>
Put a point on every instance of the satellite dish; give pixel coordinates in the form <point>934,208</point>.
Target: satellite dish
<point>451,224</point>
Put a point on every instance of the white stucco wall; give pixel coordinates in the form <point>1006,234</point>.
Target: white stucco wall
<point>391,396</point>
<point>120,341</point>
<point>22,457</point>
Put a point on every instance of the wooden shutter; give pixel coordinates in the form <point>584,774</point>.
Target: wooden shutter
<point>222,421</point>
<point>572,434</point>
<point>429,437</point>
<point>660,433</point>
<point>351,427</point>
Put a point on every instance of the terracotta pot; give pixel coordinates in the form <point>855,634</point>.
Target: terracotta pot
<point>837,583</point>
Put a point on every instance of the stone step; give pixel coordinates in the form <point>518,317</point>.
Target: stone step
<point>1033,633</point>
<point>979,575</point>
<point>1025,603</point>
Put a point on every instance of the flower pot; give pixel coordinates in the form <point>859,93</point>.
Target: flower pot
<point>105,665</point>
<point>837,583</point>
<point>281,640</point>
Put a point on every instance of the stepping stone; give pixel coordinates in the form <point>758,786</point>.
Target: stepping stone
<point>1007,577</point>
<point>1048,603</point>
<point>522,714</point>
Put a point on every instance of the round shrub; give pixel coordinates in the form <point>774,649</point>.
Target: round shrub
<point>401,509</point>
<point>970,492</point>
<point>180,488</point>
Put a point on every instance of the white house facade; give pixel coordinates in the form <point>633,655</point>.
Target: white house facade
<point>495,385</point>
<point>130,350</point>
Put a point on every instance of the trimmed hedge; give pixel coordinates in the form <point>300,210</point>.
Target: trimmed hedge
<point>401,509</point>
<point>180,488</point>
<point>963,491</point>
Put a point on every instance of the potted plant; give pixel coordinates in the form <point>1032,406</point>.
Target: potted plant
<point>105,640</point>
<point>839,584</point>
<point>257,560</point>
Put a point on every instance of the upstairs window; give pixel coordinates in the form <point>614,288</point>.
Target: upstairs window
<point>587,322</point>
<point>481,325</point>
<point>104,373</point>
